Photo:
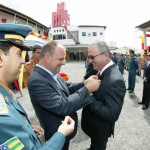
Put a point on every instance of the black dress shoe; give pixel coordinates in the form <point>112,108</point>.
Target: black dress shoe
<point>131,91</point>
<point>140,103</point>
<point>144,107</point>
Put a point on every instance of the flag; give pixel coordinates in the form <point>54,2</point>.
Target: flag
<point>12,144</point>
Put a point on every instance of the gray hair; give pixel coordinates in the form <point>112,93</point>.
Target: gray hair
<point>101,47</point>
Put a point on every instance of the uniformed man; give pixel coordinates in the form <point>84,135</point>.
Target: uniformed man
<point>133,66</point>
<point>114,58</point>
<point>16,132</point>
<point>29,66</point>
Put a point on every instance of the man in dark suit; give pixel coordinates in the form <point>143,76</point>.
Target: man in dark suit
<point>98,118</point>
<point>146,84</point>
<point>53,98</point>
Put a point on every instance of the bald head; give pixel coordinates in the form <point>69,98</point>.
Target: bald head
<point>49,48</point>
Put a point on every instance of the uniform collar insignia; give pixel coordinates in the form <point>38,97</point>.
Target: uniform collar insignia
<point>6,99</point>
<point>3,106</point>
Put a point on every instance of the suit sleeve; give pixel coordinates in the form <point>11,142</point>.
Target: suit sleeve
<point>54,100</point>
<point>110,110</point>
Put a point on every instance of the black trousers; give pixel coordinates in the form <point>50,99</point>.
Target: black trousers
<point>66,146</point>
<point>98,144</point>
<point>146,95</point>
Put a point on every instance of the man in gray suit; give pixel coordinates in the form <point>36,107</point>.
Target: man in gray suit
<point>99,117</point>
<point>53,98</point>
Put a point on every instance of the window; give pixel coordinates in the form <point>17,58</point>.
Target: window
<point>83,33</point>
<point>94,33</point>
<point>101,33</point>
<point>59,37</point>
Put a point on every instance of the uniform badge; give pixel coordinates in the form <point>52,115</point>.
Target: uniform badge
<point>3,106</point>
<point>12,144</point>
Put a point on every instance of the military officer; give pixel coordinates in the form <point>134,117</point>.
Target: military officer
<point>29,66</point>
<point>133,66</point>
<point>121,63</point>
<point>15,129</point>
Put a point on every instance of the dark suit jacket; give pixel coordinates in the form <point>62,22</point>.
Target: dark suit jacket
<point>53,102</point>
<point>147,75</point>
<point>98,118</point>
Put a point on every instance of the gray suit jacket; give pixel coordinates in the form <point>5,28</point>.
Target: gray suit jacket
<point>53,102</point>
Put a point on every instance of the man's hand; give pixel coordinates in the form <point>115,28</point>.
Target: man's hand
<point>67,126</point>
<point>90,79</point>
<point>92,84</point>
<point>38,130</point>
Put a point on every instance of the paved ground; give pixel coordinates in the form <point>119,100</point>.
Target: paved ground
<point>132,130</point>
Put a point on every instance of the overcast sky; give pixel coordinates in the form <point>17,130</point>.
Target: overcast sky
<point>120,16</point>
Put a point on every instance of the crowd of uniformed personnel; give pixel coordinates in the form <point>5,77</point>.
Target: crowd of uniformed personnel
<point>135,64</point>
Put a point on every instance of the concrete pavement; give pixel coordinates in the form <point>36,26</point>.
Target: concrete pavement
<point>132,131</point>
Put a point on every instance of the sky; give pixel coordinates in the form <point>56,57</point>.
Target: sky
<point>119,16</point>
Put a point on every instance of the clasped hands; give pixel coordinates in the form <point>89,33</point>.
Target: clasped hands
<point>92,84</point>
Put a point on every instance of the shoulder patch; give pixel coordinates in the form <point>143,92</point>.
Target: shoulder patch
<point>3,106</point>
<point>12,144</point>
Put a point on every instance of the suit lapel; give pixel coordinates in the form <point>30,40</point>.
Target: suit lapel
<point>63,85</point>
<point>52,82</point>
<point>107,71</point>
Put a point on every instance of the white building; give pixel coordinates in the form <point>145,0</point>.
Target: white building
<point>77,38</point>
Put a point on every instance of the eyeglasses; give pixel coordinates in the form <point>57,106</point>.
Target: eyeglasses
<point>92,57</point>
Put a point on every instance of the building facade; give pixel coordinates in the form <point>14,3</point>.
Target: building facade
<point>75,38</point>
<point>8,15</point>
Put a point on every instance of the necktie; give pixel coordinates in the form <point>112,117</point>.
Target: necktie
<point>98,75</point>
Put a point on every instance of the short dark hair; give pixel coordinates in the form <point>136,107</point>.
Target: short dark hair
<point>5,46</point>
<point>36,47</point>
